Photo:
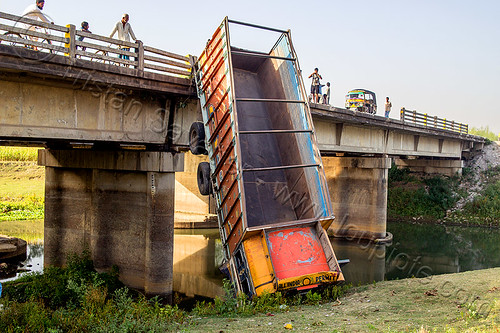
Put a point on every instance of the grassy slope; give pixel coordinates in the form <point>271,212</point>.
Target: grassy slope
<point>21,190</point>
<point>21,179</point>
<point>390,306</point>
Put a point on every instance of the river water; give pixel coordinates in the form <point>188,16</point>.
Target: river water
<point>417,250</point>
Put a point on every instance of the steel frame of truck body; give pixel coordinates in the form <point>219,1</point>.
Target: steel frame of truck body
<point>272,199</point>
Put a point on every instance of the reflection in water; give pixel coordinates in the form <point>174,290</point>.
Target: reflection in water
<point>32,263</point>
<point>367,260</point>
<point>417,250</point>
<point>420,250</point>
<point>197,257</point>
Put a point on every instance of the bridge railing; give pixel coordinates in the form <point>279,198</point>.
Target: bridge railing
<point>75,44</point>
<point>433,121</point>
<point>35,35</point>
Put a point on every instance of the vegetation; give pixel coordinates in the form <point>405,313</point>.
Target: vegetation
<point>78,299</point>
<point>18,154</point>
<point>30,208</point>
<point>484,132</point>
<point>21,185</point>
<point>484,209</point>
<point>419,198</point>
<point>232,304</point>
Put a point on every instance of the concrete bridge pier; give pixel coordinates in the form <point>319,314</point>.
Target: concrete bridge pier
<point>117,204</point>
<point>358,190</point>
<point>446,167</point>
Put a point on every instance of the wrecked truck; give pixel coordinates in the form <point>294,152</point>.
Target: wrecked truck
<point>265,168</point>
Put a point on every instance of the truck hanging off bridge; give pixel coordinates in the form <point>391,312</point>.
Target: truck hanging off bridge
<point>265,166</point>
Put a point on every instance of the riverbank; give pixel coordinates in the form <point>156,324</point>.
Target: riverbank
<point>447,303</point>
<point>472,199</point>
<point>79,299</point>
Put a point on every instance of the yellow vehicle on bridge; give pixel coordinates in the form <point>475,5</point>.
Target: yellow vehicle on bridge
<point>361,100</point>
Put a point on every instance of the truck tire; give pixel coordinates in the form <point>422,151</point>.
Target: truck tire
<point>197,139</point>
<point>203,175</point>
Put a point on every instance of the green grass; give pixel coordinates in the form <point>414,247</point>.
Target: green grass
<point>18,154</point>
<point>464,302</point>
<point>30,208</point>
<point>21,191</point>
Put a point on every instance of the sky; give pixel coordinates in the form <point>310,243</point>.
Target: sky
<point>440,57</point>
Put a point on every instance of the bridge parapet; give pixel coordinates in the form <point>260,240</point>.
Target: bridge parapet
<point>67,41</point>
<point>423,119</point>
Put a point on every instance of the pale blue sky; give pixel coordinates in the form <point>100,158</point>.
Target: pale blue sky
<point>440,57</point>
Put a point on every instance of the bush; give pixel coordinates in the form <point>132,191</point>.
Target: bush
<point>429,198</point>
<point>58,287</point>
<point>78,299</point>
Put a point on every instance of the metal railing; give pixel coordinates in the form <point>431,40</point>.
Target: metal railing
<point>433,121</point>
<point>68,41</point>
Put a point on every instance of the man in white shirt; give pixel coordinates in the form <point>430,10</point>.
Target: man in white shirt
<point>125,31</point>
<point>326,94</point>
<point>34,12</point>
<point>388,106</point>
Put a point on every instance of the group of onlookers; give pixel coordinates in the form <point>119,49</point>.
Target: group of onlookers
<point>123,27</point>
<point>321,93</point>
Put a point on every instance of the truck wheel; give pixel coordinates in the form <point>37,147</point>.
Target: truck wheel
<point>197,139</point>
<point>204,184</point>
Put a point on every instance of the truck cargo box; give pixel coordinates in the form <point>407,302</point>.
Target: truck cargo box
<point>265,166</point>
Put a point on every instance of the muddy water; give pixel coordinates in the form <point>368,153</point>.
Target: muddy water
<point>417,250</point>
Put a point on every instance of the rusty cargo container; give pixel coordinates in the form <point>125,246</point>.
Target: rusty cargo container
<point>265,167</point>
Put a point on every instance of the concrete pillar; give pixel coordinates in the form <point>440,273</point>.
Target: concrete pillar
<point>117,205</point>
<point>358,189</point>
<point>437,167</point>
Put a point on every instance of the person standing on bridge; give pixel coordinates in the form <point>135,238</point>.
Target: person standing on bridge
<point>125,31</point>
<point>326,94</point>
<point>85,28</point>
<point>315,85</point>
<point>34,12</point>
<point>388,106</point>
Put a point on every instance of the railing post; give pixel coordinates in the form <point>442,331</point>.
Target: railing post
<point>402,114</point>
<point>425,119</point>
<point>140,55</point>
<point>435,121</point>
<point>444,123</point>
<point>453,125</point>
<point>71,35</point>
<point>415,116</point>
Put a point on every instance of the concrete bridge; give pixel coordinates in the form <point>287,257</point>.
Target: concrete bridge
<point>118,171</point>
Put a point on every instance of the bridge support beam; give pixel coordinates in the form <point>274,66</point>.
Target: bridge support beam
<point>117,205</point>
<point>438,167</point>
<point>358,189</point>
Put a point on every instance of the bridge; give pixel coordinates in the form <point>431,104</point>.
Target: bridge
<point>116,139</point>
